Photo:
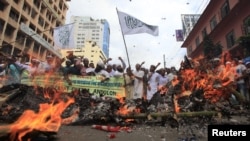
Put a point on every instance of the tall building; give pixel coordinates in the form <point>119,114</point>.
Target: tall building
<point>27,26</point>
<point>87,29</point>
<point>188,22</point>
<point>224,22</point>
<point>90,50</point>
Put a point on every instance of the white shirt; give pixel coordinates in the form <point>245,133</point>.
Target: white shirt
<point>153,82</point>
<point>138,84</point>
<point>163,80</point>
<point>239,69</point>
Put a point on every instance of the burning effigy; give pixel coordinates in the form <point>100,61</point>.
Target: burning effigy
<point>40,105</point>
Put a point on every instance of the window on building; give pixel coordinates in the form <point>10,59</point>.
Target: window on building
<point>225,9</point>
<point>213,23</point>
<point>189,49</point>
<point>9,30</point>
<point>40,21</point>
<point>14,15</point>
<point>197,41</point>
<point>23,20</point>
<point>6,48</point>
<point>36,47</point>
<point>46,25</point>
<point>26,8</point>
<point>16,1</point>
<point>1,25</point>
<point>42,50</point>
<point>20,38</point>
<point>43,9</point>
<point>246,25</point>
<point>60,5</point>
<point>33,13</point>
<point>33,27</point>
<point>2,5</point>
<point>204,32</point>
<point>230,38</point>
<point>45,37</point>
<point>36,3</point>
<point>39,32</point>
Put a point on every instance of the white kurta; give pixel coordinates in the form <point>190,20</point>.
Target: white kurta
<point>138,84</point>
<point>153,82</point>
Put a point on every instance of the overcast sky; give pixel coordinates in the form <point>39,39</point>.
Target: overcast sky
<point>141,47</point>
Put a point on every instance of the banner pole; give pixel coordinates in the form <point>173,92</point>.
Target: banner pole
<point>124,40</point>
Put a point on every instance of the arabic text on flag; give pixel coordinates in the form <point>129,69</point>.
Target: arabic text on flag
<point>132,25</point>
<point>63,36</point>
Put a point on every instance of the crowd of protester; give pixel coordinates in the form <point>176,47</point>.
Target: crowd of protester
<point>140,82</point>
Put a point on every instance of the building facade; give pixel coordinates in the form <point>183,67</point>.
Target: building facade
<point>87,29</point>
<point>90,50</point>
<point>27,26</point>
<point>224,22</point>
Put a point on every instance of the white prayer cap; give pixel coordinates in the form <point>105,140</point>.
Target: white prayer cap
<point>216,59</point>
<point>101,64</point>
<point>228,62</point>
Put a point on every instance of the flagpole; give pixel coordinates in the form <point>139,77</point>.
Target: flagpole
<point>124,40</point>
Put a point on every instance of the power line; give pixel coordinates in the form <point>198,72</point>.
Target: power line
<point>202,6</point>
<point>198,9</point>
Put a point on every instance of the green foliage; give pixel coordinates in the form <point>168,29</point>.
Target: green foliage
<point>211,50</point>
<point>244,41</point>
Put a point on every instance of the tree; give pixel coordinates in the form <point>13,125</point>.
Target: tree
<point>211,50</point>
<point>244,41</point>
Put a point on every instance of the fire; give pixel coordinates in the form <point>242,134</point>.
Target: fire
<point>120,98</point>
<point>125,109</point>
<point>48,119</point>
<point>215,79</point>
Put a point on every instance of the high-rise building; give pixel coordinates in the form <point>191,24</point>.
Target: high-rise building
<point>87,29</point>
<point>90,50</point>
<point>27,26</point>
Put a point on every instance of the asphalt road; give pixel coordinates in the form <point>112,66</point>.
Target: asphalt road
<point>144,132</point>
<point>140,133</point>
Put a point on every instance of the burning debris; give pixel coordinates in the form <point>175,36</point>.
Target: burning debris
<point>29,112</point>
<point>190,103</point>
<point>50,109</point>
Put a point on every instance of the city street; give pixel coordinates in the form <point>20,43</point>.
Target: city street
<point>145,133</point>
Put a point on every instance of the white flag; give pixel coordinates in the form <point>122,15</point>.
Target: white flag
<point>131,25</point>
<point>64,36</point>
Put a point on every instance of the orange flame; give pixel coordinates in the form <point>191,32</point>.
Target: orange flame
<point>47,119</point>
<point>125,109</point>
<point>214,80</point>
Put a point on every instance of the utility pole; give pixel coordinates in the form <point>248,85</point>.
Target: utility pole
<point>164,61</point>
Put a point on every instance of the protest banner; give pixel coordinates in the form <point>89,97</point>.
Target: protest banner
<point>111,88</point>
